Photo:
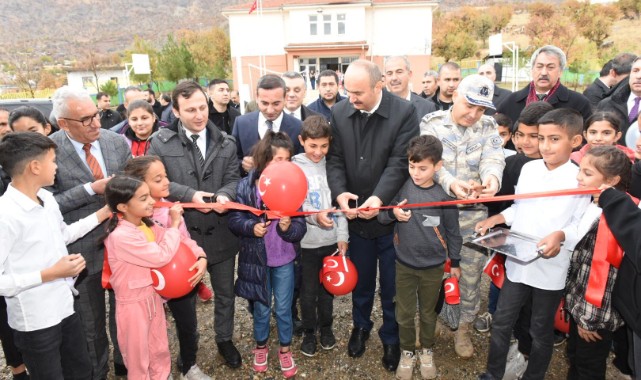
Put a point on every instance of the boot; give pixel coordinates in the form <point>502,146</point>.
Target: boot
<point>462,342</point>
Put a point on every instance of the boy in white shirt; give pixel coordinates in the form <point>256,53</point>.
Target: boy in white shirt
<point>556,220</point>
<point>35,270</point>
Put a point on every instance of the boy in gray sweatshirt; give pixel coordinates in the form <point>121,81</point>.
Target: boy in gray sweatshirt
<point>424,238</point>
<point>326,233</point>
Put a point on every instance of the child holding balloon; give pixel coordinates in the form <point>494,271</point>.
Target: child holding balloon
<point>151,170</point>
<point>266,256</point>
<point>136,244</point>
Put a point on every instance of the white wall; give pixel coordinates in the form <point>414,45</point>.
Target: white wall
<point>399,30</point>
<point>75,79</point>
<point>255,34</point>
<point>299,31</point>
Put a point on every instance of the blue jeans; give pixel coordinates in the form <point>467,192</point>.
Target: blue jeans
<point>544,305</point>
<point>369,255</point>
<point>280,283</point>
<point>57,352</point>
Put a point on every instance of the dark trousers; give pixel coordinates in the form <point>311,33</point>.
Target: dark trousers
<point>90,306</point>
<point>54,353</point>
<point>11,353</point>
<point>184,311</point>
<point>544,305</point>
<point>221,276</point>
<point>370,255</point>
<point>317,304</point>
<point>588,360</point>
<point>493,298</point>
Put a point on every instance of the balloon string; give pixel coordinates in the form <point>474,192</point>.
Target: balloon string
<point>275,214</point>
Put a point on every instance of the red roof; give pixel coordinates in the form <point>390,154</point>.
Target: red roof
<point>276,4</point>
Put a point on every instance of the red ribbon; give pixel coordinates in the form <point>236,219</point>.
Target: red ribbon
<point>606,252</point>
<point>273,214</point>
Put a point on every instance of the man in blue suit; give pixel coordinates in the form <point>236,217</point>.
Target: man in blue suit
<point>251,127</point>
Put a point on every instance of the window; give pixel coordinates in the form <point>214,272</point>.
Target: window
<point>327,24</point>
<point>341,23</point>
<point>313,25</point>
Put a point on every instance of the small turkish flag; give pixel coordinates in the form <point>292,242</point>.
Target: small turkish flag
<point>254,6</point>
<point>495,268</point>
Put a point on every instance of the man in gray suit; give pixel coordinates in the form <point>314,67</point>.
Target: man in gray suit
<point>397,79</point>
<point>87,157</point>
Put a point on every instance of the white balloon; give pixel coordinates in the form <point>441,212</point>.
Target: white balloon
<point>161,280</point>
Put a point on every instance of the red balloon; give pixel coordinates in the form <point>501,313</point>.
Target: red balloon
<point>172,279</point>
<point>283,186</point>
<point>338,275</point>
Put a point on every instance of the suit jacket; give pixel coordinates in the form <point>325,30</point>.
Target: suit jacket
<point>305,112</point>
<point>596,92</point>
<point>219,176</point>
<point>514,103</point>
<point>423,106</point>
<point>245,132</point>
<point>500,94</point>
<point>68,189</point>
<point>370,159</point>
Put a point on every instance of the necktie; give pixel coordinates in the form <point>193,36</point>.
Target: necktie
<point>96,171</point>
<point>270,124</point>
<point>634,112</point>
<point>541,96</point>
<point>199,153</point>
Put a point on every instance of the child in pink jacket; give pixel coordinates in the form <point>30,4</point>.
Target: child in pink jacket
<point>136,244</point>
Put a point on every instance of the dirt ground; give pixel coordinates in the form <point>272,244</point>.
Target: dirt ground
<point>335,364</point>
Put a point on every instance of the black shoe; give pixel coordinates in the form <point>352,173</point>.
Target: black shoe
<point>559,338</point>
<point>120,369</point>
<point>229,353</point>
<point>21,376</point>
<point>485,376</point>
<point>391,356</point>
<point>308,347</point>
<point>327,339</point>
<point>298,327</point>
<point>356,345</point>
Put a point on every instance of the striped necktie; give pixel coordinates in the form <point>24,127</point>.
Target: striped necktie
<point>270,125</point>
<point>199,153</point>
<point>96,171</point>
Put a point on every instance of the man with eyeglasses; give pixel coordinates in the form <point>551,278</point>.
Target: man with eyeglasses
<point>87,157</point>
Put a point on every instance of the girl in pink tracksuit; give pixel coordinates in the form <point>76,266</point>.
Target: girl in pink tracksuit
<point>136,244</point>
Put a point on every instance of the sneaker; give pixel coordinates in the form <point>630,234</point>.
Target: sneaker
<point>287,364</point>
<point>260,359</point>
<point>515,367</point>
<point>327,339</point>
<point>483,323</point>
<point>204,293</point>
<point>428,369</point>
<point>559,338</point>
<point>405,367</point>
<point>194,374</point>
<point>308,347</point>
<point>462,341</point>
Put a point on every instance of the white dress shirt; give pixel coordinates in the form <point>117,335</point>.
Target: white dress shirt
<point>262,124</point>
<point>541,216</point>
<point>202,140</point>
<point>96,152</point>
<point>33,237</point>
<point>297,113</point>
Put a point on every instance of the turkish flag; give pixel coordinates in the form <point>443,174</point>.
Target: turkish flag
<point>495,268</point>
<point>254,6</point>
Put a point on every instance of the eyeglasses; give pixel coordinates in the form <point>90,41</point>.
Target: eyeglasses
<point>85,121</point>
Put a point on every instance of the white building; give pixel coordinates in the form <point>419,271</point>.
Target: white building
<point>315,35</point>
<point>87,79</point>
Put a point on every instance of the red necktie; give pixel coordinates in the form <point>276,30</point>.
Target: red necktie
<point>93,163</point>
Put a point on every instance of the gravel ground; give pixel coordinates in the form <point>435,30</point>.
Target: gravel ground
<point>336,364</point>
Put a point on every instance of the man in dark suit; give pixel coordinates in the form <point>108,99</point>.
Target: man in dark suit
<point>500,94</point>
<point>79,192</point>
<point>625,100</point>
<point>251,127</point>
<point>220,113</point>
<point>611,75</point>
<point>548,63</point>
<point>367,163</point>
<point>295,90</point>
<point>181,146</point>
<point>397,79</point>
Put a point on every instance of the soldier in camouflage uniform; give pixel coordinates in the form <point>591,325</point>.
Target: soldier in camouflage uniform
<point>473,163</point>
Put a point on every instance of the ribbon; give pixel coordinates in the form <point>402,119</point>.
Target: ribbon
<point>274,214</point>
<point>607,252</point>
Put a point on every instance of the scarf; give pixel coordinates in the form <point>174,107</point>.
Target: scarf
<point>531,96</point>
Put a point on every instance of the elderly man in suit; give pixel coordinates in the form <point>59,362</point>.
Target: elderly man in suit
<point>487,70</point>
<point>295,90</point>
<point>201,164</point>
<point>251,127</point>
<point>87,157</point>
<point>367,165</point>
<point>397,79</point>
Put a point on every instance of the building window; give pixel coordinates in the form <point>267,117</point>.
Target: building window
<point>341,23</point>
<point>327,24</point>
<point>313,25</point>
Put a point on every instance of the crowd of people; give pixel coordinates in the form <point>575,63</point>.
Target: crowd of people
<point>79,232</point>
